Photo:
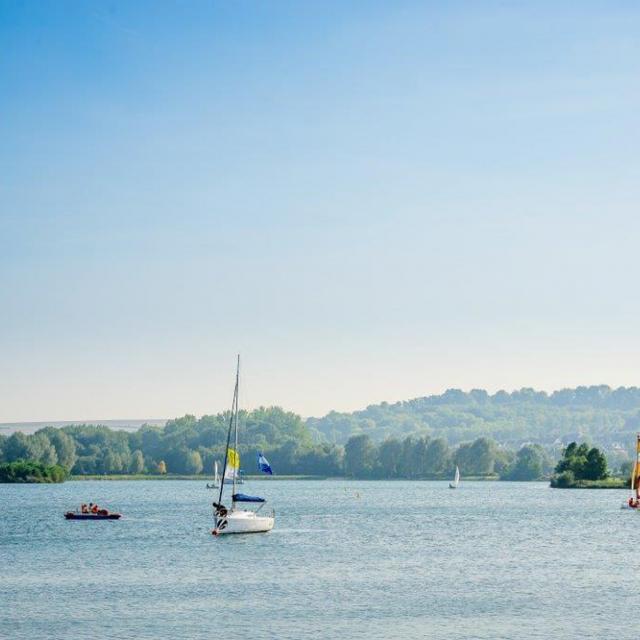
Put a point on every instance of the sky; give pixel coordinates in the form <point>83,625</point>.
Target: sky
<point>368,200</point>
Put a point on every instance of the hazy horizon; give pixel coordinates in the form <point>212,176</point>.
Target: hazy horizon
<point>370,202</point>
<point>156,419</point>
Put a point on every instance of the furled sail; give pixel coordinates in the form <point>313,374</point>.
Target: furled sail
<point>243,497</point>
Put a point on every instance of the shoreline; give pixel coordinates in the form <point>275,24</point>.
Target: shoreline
<point>609,483</point>
<point>207,479</point>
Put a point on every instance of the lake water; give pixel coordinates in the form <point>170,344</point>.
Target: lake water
<point>346,560</point>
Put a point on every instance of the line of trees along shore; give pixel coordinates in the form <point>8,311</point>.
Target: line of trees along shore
<point>21,471</point>
<point>515,435</point>
<point>608,417</point>
<point>190,446</point>
<point>422,458</point>
<point>186,446</point>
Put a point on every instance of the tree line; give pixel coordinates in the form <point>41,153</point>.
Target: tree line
<point>424,458</point>
<point>609,417</point>
<point>30,471</point>
<point>185,445</point>
<point>190,446</point>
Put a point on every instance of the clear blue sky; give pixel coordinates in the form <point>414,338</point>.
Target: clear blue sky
<point>369,200</point>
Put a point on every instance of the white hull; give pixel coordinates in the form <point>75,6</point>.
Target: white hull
<point>240,521</point>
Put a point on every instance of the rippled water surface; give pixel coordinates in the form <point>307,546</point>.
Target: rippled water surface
<point>346,560</point>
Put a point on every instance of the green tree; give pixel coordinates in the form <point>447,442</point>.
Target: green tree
<point>287,457</point>
<point>596,465</point>
<point>49,456</point>
<point>389,458</point>
<point>582,463</point>
<point>31,471</point>
<point>437,458</point>
<point>325,459</point>
<point>137,462</point>
<point>420,457</point>
<point>407,464</point>
<point>359,456</point>
<point>65,447</point>
<point>504,461</point>
<point>477,457</point>
<point>193,463</point>
<point>563,479</point>
<point>41,449</point>
<point>530,463</point>
<point>112,463</point>
<point>574,459</point>
<point>17,447</point>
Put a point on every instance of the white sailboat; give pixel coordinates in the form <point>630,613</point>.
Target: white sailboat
<point>456,479</point>
<point>238,519</point>
<point>216,477</point>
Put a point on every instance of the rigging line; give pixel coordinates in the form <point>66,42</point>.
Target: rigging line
<point>226,451</point>
<point>236,471</point>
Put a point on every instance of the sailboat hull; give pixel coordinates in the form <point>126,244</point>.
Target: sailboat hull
<point>239,521</point>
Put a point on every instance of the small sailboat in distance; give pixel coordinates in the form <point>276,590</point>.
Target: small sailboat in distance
<point>216,477</point>
<point>238,519</point>
<point>634,500</point>
<point>456,479</point>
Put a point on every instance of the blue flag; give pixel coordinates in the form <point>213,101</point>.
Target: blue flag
<point>263,464</point>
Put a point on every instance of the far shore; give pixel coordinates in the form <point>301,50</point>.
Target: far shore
<point>168,476</point>
<point>209,479</point>
<point>608,483</point>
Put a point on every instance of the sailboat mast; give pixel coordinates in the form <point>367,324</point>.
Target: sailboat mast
<point>635,480</point>
<point>226,451</point>
<point>237,471</point>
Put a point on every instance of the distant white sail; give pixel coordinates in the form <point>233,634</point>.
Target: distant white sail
<point>456,479</point>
